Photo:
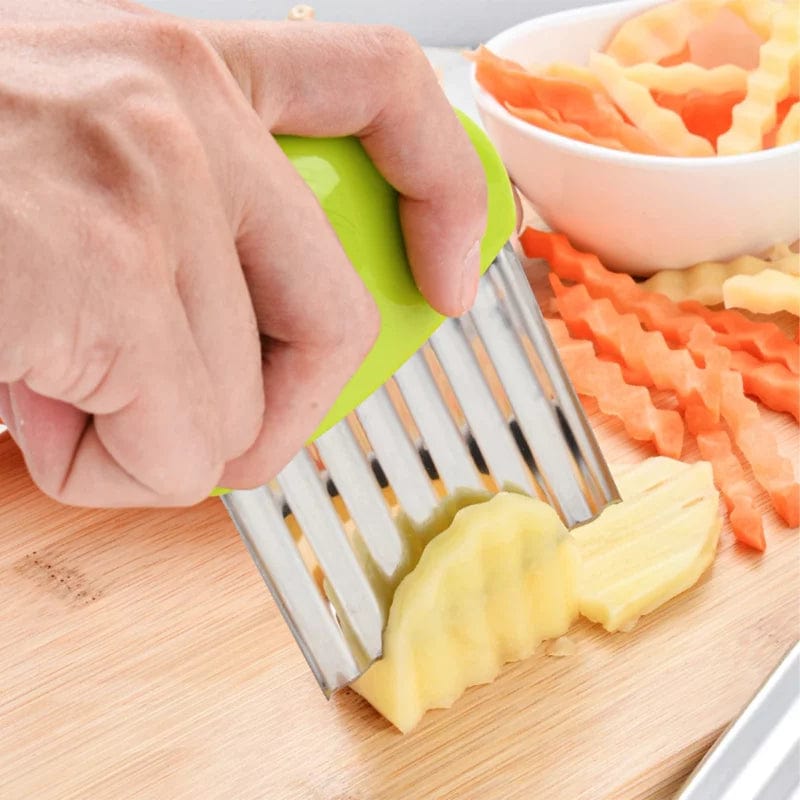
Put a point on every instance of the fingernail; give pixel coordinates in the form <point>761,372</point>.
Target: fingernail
<point>470,275</point>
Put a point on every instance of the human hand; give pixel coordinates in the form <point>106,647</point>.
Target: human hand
<point>175,309</point>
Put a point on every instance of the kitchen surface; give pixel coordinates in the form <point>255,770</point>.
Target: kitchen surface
<point>141,655</point>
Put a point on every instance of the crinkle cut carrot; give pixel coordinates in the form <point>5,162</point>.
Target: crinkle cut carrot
<point>715,447</point>
<point>757,443</point>
<point>511,83</point>
<point>773,384</point>
<point>647,352</point>
<point>633,405</point>
<point>763,339</point>
<point>619,334</point>
<point>505,80</point>
<point>706,115</point>
<point>560,99</point>
<point>676,321</point>
<point>630,138</point>
<point>569,129</point>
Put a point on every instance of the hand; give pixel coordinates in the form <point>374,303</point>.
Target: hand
<point>175,310</point>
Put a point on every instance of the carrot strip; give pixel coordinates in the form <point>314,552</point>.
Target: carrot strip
<point>632,405</point>
<point>560,99</point>
<point>675,321</point>
<point>511,83</point>
<point>773,384</point>
<point>707,115</point>
<point>646,352</point>
<point>715,447</point>
<point>608,321</point>
<point>757,443</point>
<point>569,129</point>
<point>763,339</point>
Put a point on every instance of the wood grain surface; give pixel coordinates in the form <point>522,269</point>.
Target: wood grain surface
<point>142,657</point>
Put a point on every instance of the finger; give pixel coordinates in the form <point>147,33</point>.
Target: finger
<point>316,318</point>
<point>375,82</point>
<point>128,442</point>
<point>6,413</point>
<point>221,316</point>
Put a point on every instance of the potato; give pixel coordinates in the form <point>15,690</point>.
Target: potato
<point>487,590</point>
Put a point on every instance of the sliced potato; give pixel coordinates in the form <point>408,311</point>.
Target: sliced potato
<point>505,575</point>
<point>655,544</point>
<point>487,590</point>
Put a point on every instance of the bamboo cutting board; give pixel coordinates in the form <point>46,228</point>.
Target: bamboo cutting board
<point>142,657</point>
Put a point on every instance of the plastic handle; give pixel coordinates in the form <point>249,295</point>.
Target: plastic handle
<point>362,207</point>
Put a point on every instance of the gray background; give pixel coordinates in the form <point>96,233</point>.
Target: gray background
<point>433,22</point>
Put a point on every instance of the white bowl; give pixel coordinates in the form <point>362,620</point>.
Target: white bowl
<point>639,213</point>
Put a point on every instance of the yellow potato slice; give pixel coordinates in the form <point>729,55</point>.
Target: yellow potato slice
<point>505,576</point>
<point>666,128</point>
<point>487,590</point>
<point>766,292</point>
<point>703,282</point>
<point>790,127</point>
<point>653,545</point>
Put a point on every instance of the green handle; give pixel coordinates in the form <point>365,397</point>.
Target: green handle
<point>362,207</point>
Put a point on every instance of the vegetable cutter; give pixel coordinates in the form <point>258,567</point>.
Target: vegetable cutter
<point>439,407</point>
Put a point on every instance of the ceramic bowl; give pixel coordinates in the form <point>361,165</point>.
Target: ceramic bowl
<point>639,213</point>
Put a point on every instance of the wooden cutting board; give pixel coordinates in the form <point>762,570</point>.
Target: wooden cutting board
<point>142,657</point>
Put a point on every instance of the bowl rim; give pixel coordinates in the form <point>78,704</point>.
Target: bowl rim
<point>487,103</point>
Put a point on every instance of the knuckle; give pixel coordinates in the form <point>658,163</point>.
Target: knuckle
<point>395,43</point>
<point>163,132</point>
<point>175,42</point>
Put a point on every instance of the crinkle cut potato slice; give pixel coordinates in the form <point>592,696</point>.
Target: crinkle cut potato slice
<point>505,575</point>
<point>653,545</point>
<point>487,590</point>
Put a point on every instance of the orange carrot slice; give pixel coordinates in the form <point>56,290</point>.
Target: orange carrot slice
<point>773,384</point>
<point>675,321</point>
<point>648,355</point>
<point>633,405</point>
<point>646,352</point>
<point>511,83</point>
<point>560,99</point>
<point>706,115</point>
<point>715,446</point>
<point>505,80</point>
<point>763,339</point>
<point>757,443</point>
<point>569,129</point>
